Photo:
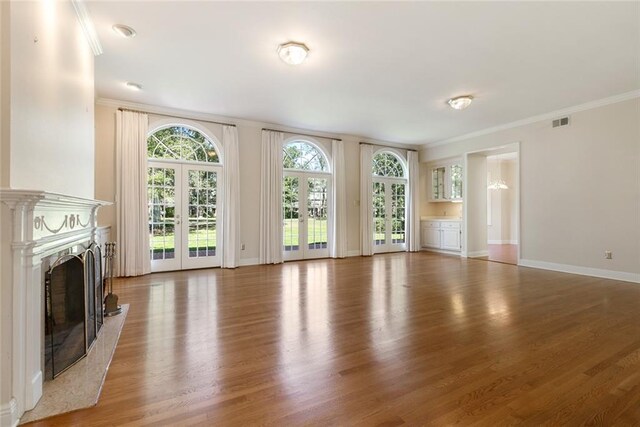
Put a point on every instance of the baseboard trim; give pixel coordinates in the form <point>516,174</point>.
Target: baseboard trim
<point>441,251</point>
<point>9,413</point>
<point>36,387</point>
<point>502,242</point>
<point>477,254</point>
<point>583,271</point>
<point>353,253</point>
<point>248,261</point>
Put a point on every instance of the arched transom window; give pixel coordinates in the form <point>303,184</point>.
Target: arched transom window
<point>301,155</point>
<point>387,164</point>
<point>181,143</point>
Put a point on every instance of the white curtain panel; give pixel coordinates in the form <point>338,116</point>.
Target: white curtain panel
<point>338,203</point>
<point>366,200</point>
<point>271,198</point>
<point>413,205</point>
<point>231,197</point>
<point>132,215</point>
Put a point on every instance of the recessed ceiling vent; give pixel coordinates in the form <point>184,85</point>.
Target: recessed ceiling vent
<point>562,121</point>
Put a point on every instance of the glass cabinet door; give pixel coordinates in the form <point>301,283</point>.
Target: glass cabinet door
<point>456,182</point>
<point>437,183</point>
<point>446,182</point>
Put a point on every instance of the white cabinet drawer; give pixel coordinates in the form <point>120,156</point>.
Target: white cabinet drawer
<point>430,224</point>
<point>452,224</point>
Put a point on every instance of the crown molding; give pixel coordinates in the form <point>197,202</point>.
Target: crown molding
<point>88,28</point>
<point>194,115</point>
<point>547,116</point>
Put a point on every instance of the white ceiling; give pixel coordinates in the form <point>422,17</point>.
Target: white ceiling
<point>377,70</point>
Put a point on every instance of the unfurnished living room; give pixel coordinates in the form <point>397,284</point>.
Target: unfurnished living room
<point>319,213</point>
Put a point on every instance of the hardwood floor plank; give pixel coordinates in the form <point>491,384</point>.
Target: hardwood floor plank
<point>396,339</point>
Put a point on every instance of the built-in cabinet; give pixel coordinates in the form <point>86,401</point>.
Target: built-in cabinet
<point>446,181</point>
<point>441,234</point>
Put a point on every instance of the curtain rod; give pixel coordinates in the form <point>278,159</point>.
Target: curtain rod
<point>303,134</point>
<point>176,117</point>
<point>387,146</point>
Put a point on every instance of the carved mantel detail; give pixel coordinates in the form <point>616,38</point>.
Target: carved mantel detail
<point>70,221</point>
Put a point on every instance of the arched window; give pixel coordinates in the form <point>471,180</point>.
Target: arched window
<point>301,155</point>
<point>387,164</point>
<point>181,143</point>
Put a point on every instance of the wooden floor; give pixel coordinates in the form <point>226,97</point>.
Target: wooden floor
<point>415,339</point>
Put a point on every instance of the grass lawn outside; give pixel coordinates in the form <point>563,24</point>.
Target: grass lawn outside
<point>197,239</point>
<point>290,231</point>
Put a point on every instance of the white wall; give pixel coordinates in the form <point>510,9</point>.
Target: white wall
<point>475,206</point>
<point>250,141</point>
<point>52,100</point>
<point>580,186</point>
<point>5,228</point>
<point>46,128</point>
<point>5,53</point>
<point>509,206</point>
<point>105,166</point>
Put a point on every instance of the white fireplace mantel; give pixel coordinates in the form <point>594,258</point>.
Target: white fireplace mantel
<point>41,224</point>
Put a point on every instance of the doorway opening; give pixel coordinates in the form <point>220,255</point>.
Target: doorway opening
<point>492,211</point>
<point>502,243</point>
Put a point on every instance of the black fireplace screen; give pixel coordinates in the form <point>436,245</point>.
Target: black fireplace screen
<point>89,271</point>
<point>98,286</point>
<point>74,309</point>
<point>65,340</point>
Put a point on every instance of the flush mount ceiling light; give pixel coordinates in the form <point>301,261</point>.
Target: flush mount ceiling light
<point>133,86</point>
<point>498,184</point>
<point>460,102</point>
<point>293,53</point>
<point>124,31</point>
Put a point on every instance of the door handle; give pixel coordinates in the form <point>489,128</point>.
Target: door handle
<point>177,222</point>
<point>301,220</point>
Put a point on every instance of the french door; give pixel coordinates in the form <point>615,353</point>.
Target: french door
<point>305,215</point>
<point>183,215</point>
<point>389,215</point>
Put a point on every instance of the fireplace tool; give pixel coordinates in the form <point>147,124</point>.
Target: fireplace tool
<point>111,307</point>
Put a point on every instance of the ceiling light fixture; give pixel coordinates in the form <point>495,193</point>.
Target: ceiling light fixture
<point>124,31</point>
<point>134,86</point>
<point>293,53</point>
<point>460,102</point>
<point>498,184</point>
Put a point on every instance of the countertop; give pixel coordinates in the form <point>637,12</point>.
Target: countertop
<point>440,218</point>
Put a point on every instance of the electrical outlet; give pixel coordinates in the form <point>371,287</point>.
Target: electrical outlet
<point>242,247</point>
<point>608,255</point>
